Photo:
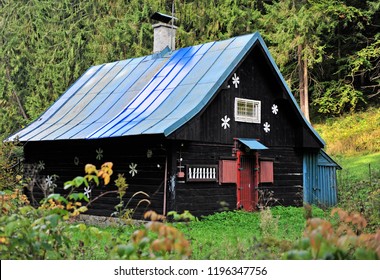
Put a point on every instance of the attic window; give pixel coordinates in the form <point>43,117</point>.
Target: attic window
<point>247,110</point>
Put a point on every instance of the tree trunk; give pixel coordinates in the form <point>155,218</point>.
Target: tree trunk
<point>303,82</point>
<point>306,89</point>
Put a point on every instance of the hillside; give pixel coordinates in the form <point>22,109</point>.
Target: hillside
<point>353,140</point>
<point>352,134</point>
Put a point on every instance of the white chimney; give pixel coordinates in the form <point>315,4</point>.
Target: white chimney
<point>164,33</point>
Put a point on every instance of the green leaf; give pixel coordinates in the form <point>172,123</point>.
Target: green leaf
<point>85,182</point>
<point>68,185</point>
<point>78,181</point>
<point>81,227</point>
<point>96,179</point>
<point>82,209</point>
<point>56,197</point>
<point>124,251</point>
<point>53,219</point>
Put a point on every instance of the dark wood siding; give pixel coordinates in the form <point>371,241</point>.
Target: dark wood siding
<point>288,177</point>
<point>287,136</point>
<point>58,158</point>
<point>203,198</point>
<point>257,81</point>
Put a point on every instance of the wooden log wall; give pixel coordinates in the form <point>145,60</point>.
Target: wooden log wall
<point>203,198</point>
<point>67,159</point>
<point>287,188</point>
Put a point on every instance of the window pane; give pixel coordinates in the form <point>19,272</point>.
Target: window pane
<point>247,110</point>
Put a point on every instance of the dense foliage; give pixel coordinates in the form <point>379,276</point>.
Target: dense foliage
<point>328,50</point>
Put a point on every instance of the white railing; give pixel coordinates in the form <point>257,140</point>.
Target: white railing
<point>202,173</point>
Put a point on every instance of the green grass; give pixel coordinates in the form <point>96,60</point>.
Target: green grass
<point>239,234</point>
<point>98,240</point>
<point>353,140</point>
<point>359,167</point>
<point>352,134</point>
<point>222,236</point>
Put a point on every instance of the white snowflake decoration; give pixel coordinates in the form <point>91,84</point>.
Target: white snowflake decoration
<point>87,192</point>
<point>225,121</point>
<point>49,181</point>
<point>236,80</point>
<point>99,154</point>
<point>133,170</point>
<point>266,127</point>
<point>274,109</point>
<point>41,165</point>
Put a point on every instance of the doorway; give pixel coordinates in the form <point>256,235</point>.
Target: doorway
<point>247,181</point>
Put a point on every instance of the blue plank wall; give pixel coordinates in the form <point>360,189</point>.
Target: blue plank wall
<point>320,184</point>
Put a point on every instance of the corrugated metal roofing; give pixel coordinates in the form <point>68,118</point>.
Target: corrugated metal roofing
<point>155,94</point>
<point>253,144</point>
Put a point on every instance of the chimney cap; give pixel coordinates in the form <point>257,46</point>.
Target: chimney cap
<point>162,17</point>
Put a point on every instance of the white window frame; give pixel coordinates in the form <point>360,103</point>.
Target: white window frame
<point>251,112</point>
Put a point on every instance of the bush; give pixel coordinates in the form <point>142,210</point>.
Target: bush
<point>10,165</point>
<point>362,196</point>
<point>46,233</point>
<point>343,239</point>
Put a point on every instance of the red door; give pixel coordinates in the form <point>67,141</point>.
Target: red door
<point>247,191</point>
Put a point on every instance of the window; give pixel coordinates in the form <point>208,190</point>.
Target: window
<point>247,110</point>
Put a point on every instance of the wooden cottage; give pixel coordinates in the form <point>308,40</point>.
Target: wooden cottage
<point>203,128</point>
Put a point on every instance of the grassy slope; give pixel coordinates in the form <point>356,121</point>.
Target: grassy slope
<point>353,140</point>
<point>352,134</point>
<point>359,167</point>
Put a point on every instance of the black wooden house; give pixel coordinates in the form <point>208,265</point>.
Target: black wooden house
<point>202,128</point>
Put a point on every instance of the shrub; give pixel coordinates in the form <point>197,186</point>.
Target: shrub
<point>10,165</point>
<point>344,239</point>
<point>156,240</point>
<point>33,234</point>
<point>362,196</point>
<point>45,233</point>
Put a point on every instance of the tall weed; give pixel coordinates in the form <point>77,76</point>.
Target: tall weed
<point>268,223</point>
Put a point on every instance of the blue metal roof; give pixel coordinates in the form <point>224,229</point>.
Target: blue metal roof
<point>253,144</point>
<point>155,94</point>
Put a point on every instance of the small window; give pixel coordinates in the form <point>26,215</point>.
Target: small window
<point>247,110</point>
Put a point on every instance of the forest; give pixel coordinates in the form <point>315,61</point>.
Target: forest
<point>327,50</point>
